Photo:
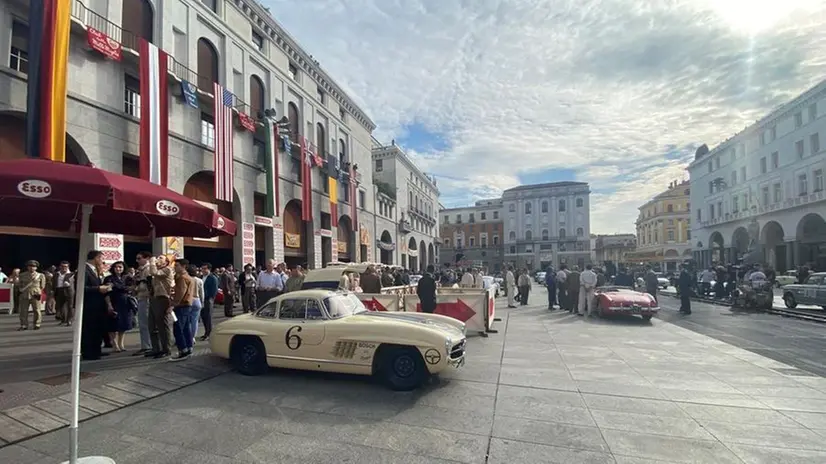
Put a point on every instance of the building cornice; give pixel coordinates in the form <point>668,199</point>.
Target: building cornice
<point>264,22</point>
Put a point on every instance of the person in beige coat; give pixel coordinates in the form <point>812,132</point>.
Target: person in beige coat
<point>31,285</point>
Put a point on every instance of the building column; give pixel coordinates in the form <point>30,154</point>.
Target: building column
<point>791,254</point>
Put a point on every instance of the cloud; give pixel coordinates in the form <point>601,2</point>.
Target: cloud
<point>618,92</point>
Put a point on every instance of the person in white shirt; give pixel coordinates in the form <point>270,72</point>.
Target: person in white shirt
<point>561,286</point>
<point>588,285</point>
<point>705,279</point>
<point>510,284</point>
<point>467,279</point>
<point>269,283</point>
<point>477,279</point>
<point>757,277</point>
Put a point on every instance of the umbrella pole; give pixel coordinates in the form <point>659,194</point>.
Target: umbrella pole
<point>80,286</point>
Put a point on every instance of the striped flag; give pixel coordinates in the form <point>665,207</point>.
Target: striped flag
<point>354,211</point>
<point>306,182</point>
<point>222,106</point>
<point>271,208</point>
<point>48,54</point>
<point>154,133</point>
<point>332,186</point>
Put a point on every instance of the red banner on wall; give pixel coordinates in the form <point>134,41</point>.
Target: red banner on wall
<point>103,44</point>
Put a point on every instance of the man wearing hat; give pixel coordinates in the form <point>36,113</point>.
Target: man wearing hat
<point>31,287</point>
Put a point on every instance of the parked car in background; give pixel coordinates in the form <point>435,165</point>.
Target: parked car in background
<point>662,281</point>
<point>540,277</point>
<point>623,300</point>
<point>811,292</point>
<point>787,278</point>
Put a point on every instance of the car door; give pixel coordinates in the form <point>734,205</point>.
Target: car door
<point>301,330</point>
<point>810,290</point>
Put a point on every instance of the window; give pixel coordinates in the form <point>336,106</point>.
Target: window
<point>528,235</point>
<point>699,215</point>
<point>258,41</point>
<point>765,193</point>
<point>778,193</point>
<point>207,130</point>
<point>717,163</point>
<point>483,241</point>
<point>495,240</point>
<point>211,4</point>
<point>743,174</point>
<point>670,208</point>
<point>484,216</point>
<point>259,149</point>
<point>362,198</point>
<point>580,202</point>
<point>471,242</point>
<point>710,188</point>
<point>670,235</point>
<point>561,205</point>
<point>710,167</point>
<point>775,160</point>
<point>818,181</point>
<point>803,184</point>
<point>292,309</point>
<point>319,93</point>
<point>137,19</point>
<point>545,234</point>
<point>814,142</point>
<point>733,178</point>
<point>458,243</point>
<point>207,65</point>
<point>379,166</point>
<point>496,214</point>
<point>268,311</point>
<point>19,54</point>
<point>812,112</point>
<point>342,114</point>
<point>798,148</point>
<point>671,222</point>
<point>447,242</point>
<point>544,207</point>
<point>313,310</point>
<point>132,96</point>
<point>321,140</point>
<point>711,211</point>
<point>512,236</point>
<point>735,204</point>
<point>798,119</point>
<point>292,71</point>
<point>295,121</point>
<point>342,151</point>
<point>528,208</point>
<point>257,97</point>
<point>763,165</point>
<point>458,219</point>
<point>561,233</point>
<point>447,219</point>
<point>512,250</point>
<point>580,232</point>
<point>471,218</point>
<point>511,208</point>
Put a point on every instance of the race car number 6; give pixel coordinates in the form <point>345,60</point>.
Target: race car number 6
<point>292,340</point>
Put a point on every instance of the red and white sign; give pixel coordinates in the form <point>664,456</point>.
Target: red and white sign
<point>317,250</point>
<point>278,240</point>
<point>470,306</point>
<point>111,245</point>
<point>262,221</point>
<point>246,121</point>
<point>35,188</point>
<point>7,302</point>
<point>167,208</point>
<point>103,44</point>
<point>248,237</point>
<point>380,302</point>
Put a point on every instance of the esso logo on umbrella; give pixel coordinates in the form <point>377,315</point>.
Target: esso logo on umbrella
<point>167,208</point>
<point>34,188</point>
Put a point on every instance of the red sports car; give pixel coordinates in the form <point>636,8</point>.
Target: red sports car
<point>624,300</point>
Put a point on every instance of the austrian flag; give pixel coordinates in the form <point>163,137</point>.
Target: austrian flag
<point>154,126</point>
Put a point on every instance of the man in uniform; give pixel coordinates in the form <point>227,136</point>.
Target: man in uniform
<point>32,284</point>
<point>228,284</point>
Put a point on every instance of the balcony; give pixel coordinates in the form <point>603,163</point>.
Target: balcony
<point>421,214</point>
<point>404,226</point>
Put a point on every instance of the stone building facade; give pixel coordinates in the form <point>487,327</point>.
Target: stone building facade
<point>472,236</point>
<point>664,229</point>
<point>238,44</point>
<point>614,247</point>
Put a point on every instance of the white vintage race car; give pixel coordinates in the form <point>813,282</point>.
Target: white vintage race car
<point>332,331</point>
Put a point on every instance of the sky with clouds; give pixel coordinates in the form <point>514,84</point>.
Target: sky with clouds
<point>490,94</point>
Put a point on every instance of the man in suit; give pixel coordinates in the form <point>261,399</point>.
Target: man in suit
<point>94,307</point>
<point>426,289</point>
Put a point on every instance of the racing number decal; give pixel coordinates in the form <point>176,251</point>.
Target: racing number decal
<point>292,339</point>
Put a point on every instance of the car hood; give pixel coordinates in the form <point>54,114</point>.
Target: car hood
<point>628,297</point>
<point>414,319</point>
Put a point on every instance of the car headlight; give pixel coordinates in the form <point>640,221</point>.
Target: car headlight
<point>448,345</point>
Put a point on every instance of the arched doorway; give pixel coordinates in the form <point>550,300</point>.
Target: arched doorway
<point>345,239</point>
<point>412,255</point>
<point>219,250</point>
<point>20,244</point>
<point>671,257</point>
<point>422,256</point>
<point>386,247</point>
<point>431,255</point>
<point>295,235</point>
<point>137,19</point>
<point>774,249</point>
<point>739,243</point>
<point>716,245</point>
<point>207,65</point>
<point>811,236</point>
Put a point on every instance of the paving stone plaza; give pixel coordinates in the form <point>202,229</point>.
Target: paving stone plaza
<point>548,388</point>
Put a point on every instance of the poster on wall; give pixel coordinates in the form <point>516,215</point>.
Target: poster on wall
<point>278,239</point>
<point>317,250</point>
<point>333,248</point>
<point>111,245</point>
<point>213,207</point>
<point>364,238</point>
<point>248,247</point>
<point>173,246</point>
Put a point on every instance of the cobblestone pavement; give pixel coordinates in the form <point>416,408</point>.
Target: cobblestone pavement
<point>548,388</point>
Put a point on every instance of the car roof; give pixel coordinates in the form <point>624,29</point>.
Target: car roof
<point>311,293</point>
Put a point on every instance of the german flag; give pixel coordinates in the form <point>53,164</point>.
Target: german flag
<point>49,24</point>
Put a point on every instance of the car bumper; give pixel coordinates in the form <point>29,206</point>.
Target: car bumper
<point>632,311</point>
<point>456,362</point>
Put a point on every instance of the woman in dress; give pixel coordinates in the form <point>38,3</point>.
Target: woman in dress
<point>119,304</point>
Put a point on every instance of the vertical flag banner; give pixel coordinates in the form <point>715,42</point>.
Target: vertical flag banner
<point>224,176</point>
<point>353,200</point>
<point>306,183</point>
<point>271,208</point>
<point>332,186</point>
<point>49,24</point>
<point>154,128</point>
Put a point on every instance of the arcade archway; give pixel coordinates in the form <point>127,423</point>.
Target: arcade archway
<point>431,255</point>
<point>774,249</point>
<point>412,255</point>
<point>386,247</point>
<point>716,246</point>
<point>295,235</point>
<point>422,256</point>
<point>345,239</point>
<point>739,243</point>
<point>20,244</point>
<point>219,250</point>
<point>811,235</point>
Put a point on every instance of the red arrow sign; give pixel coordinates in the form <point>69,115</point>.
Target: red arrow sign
<point>458,310</point>
<point>373,305</point>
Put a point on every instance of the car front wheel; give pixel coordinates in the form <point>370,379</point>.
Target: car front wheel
<point>789,300</point>
<point>402,368</point>
<point>248,355</point>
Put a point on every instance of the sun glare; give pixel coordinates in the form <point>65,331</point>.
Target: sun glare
<point>755,16</point>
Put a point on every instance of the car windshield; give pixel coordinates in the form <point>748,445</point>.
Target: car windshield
<point>344,305</point>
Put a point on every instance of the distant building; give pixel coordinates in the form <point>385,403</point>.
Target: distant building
<point>664,229</point>
<point>614,247</point>
<point>547,224</point>
<point>472,236</point>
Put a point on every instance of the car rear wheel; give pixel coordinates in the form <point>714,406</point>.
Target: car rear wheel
<point>248,355</point>
<point>646,317</point>
<point>789,300</point>
<point>402,368</point>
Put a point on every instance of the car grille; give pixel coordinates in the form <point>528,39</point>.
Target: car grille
<point>344,350</point>
<point>458,350</point>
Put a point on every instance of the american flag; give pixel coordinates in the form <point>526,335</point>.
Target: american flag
<point>222,106</point>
